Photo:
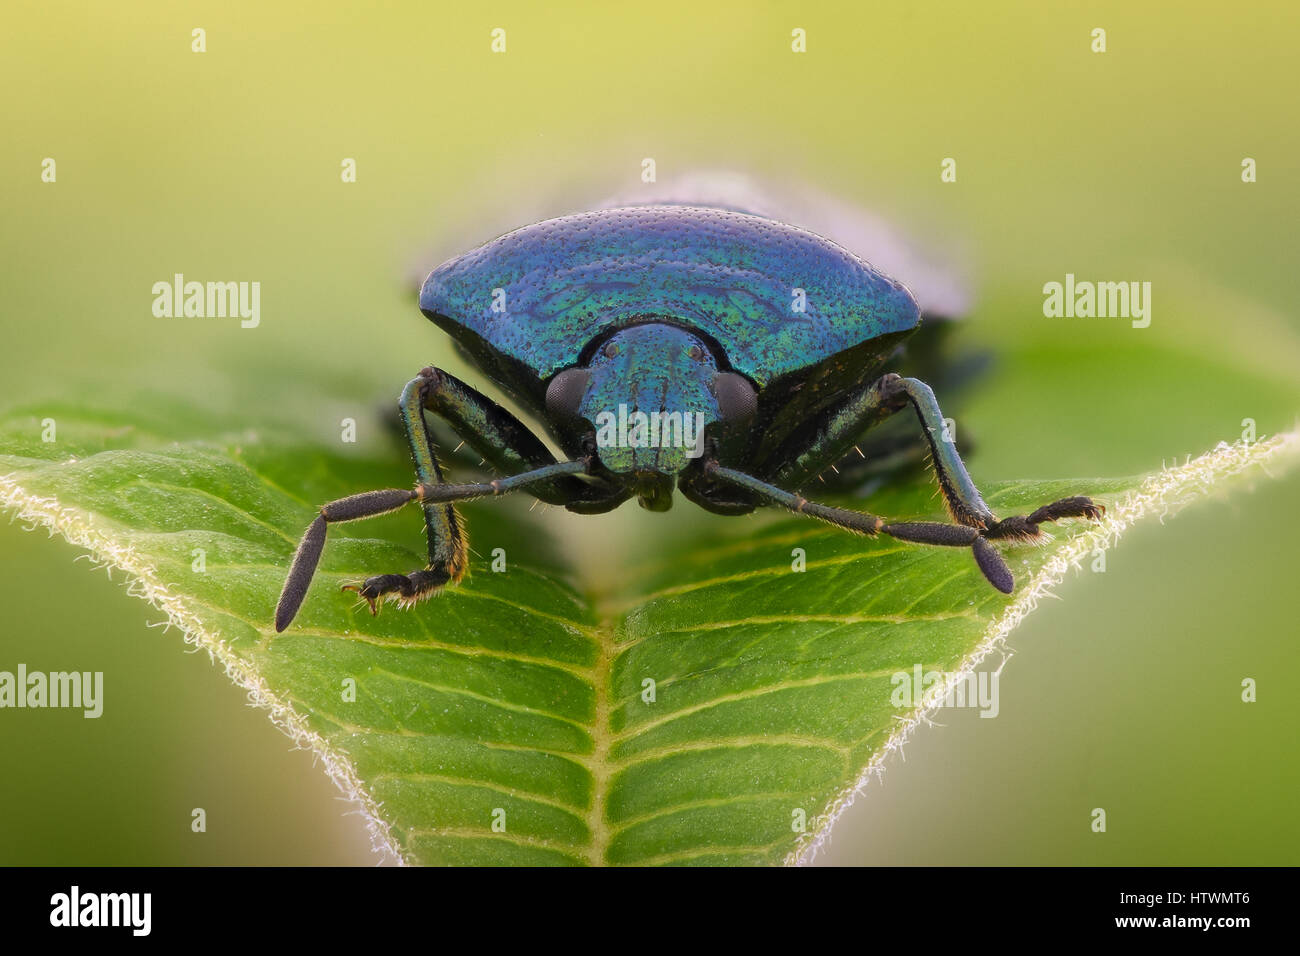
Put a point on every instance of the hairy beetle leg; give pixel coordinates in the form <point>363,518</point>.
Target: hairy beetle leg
<point>494,432</point>
<point>409,589</point>
<point>1025,527</point>
<point>807,452</point>
<point>406,589</point>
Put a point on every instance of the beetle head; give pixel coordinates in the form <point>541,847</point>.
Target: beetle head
<point>649,392</point>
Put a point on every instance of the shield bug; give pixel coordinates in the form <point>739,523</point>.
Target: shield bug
<point>666,347</point>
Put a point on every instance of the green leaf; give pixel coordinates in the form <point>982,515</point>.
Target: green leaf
<point>519,699</point>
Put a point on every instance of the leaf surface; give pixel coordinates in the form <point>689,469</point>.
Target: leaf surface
<point>722,707</point>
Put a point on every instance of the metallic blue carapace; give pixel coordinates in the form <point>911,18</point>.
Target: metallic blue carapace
<point>541,294</point>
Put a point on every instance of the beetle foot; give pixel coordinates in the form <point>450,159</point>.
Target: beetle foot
<point>1025,527</point>
<point>406,590</point>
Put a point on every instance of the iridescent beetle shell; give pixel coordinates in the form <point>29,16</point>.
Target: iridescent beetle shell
<point>799,316</point>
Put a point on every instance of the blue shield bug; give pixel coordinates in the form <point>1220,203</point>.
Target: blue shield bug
<point>666,347</point>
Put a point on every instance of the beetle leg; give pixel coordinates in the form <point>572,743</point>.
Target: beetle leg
<point>443,529</point>
<point>805,455</point>
<point>713,496</point>
<point>501,439</point>
<point>987,557</point>
<point>489,429</point>
<point>836,431</point>
<point>407,589</point>
<point>1025,527</point>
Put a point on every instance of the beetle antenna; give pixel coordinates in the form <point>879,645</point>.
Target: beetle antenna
<point>368,504</point>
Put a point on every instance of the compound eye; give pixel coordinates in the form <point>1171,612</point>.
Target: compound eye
<point>611,350</point>
<point>565,392</point>
<point>696,353</point>
<point>737,399</point>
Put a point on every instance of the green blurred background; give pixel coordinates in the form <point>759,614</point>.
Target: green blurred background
<point>1117,166</point>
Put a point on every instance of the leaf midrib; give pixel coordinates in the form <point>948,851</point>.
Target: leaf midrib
<point>602,740</point>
